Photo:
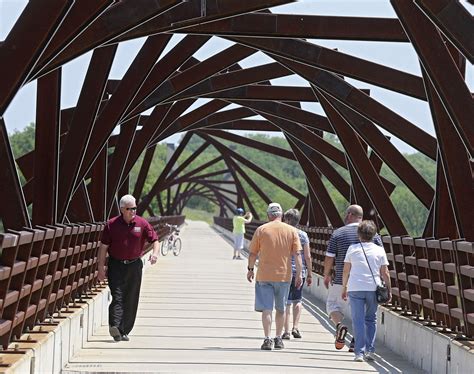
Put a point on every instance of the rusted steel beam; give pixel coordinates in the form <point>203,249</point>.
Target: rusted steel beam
<point>143,137</point>
<point>197,73</point>
<point>137,192</point>
<point>184,122</point>
<point>165,68</point>
<point>97,188</point>
<point>79,17</point>
<point>193,13</point>
<point>322,165</point>
<point>457,166</point>
<point>45,195</point>
<point>288,112</point>
<point>277,151</point>
<point>191,174</point>
<point>124,188</point>
<point>82,124</point>
<point>254,167</point>
<point>80,209</point>
<point>387,152</point>
<point>120,18</point>
<point>366,106</point>
<point>21,49</point>
<point>339,63</point>
<point>119,158</point>
<point>251,183</point>
<point>13,211</point>
<point>171,162</point>
<point>188,161</point>
<point>234,79</point>
<point>218,117</point>
<point>304,26</point>
<point>117,105</point>
<point>454,21</point>
<point>361,163</point>
<point>440,68</point>
<point>176,110</point>
<point>317,187</point>
<point>266,93</point>
<point>243,124</point>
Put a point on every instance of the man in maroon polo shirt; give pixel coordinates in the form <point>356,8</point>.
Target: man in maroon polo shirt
<point>124,238</point>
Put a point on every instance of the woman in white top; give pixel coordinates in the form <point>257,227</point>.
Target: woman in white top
<point>360,285</point>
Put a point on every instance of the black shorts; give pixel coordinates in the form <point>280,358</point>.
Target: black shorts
<point>296,294</point>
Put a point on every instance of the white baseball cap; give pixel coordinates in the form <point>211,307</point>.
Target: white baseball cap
<point>274,208</point>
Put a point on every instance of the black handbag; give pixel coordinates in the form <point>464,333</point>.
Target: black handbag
<point>382,292</point>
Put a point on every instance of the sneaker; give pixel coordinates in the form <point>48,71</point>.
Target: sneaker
<point>267,344</point>
<point>233,258</point>
<point>125,337</point>
<point>351,346</point>
<point>369,356</point>
<point>359,358</point>
<point>341,332</point>
<point>278,343</point>
<point>296,333</point>
<point>115,333</point>
<point>239,258</point>
<point>286,336</point>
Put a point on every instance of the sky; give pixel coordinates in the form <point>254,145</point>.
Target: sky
<point>397,55</point>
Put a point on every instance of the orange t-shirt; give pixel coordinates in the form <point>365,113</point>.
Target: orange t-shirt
<point>274,243</point>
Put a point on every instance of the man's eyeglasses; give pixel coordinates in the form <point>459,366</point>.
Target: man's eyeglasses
<point>134,208</point>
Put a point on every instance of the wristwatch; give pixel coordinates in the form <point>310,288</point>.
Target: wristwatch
<point>249,269</point>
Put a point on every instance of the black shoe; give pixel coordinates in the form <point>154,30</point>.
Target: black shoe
<point>267,345</point>
<point>296,333</point>
<point>125,338</point>
<point>115,333</point>
<point>286,336</point>
<point>278,343</point>
<point>351,346</point>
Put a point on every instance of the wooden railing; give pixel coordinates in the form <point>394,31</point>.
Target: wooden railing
<point>45,269</point>
<point>432,279</point>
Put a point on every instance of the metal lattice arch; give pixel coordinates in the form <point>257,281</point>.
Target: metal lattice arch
<point>168,84</point>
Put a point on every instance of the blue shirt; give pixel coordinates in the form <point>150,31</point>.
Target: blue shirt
<point>340,241</point>
<point>303,240</point>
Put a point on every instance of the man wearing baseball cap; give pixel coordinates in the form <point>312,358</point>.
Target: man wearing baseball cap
<point>274,243</point>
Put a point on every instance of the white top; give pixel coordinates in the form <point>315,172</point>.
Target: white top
<point>360,278</point>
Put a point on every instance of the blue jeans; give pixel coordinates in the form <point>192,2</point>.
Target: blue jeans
<point>364,320</point>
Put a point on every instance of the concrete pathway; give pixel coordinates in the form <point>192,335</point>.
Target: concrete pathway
<point>196,315</point>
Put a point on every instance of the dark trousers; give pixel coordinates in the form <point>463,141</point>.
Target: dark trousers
<point>124,283</point>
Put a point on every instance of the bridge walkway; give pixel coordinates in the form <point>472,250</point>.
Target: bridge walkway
<point>196,315</point>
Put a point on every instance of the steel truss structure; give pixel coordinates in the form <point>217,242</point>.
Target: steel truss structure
<point>78,166</point>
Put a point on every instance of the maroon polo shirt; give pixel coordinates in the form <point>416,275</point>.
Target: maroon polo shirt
<point>126,240</point>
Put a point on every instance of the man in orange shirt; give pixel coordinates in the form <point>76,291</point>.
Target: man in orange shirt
<point>274,243</point>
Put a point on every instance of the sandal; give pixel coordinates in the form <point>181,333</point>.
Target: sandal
<point>341,332</point>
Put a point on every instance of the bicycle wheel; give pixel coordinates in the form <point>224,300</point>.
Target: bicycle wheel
<point>177,246</point>
<point>164,247</point>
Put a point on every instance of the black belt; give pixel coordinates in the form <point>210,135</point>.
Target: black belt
<point>126,262</point>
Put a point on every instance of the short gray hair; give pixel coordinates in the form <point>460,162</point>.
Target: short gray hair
<point>127,200</point>
<point>292,217</point>
<point>366,230</point>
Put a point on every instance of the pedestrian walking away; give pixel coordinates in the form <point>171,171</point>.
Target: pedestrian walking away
<point>340,241</point>
<point>124,239</point>
<point>295,296</point>
<point>365,265</point>
<point>274,243</point>
<point>239,221</point>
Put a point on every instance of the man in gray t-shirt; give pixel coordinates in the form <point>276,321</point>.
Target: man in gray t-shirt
<point>340,241</point>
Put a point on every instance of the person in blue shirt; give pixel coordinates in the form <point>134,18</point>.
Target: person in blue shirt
<point>295,296</point>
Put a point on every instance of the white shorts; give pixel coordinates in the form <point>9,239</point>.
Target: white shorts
<point>334,302</point>
<point>238,241</point>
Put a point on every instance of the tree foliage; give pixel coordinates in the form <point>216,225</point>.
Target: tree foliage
<point>411,211</point>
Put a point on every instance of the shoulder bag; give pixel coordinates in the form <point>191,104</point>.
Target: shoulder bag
<point>382,292</point>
